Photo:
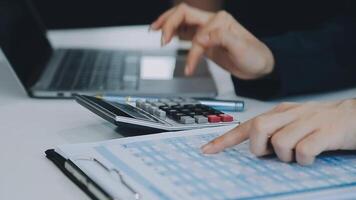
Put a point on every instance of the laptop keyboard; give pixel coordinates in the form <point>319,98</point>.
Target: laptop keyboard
<point>97,70</point>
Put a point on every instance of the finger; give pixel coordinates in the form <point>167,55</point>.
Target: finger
<point>172,23</point>
<point>311,146</point>
<point>229,139</point>
<point>240,133</point>
<point>193,57</point>
<point>183,14</point>
<point>199,46</point>
<point>285,106</point>
<point>219,21</point>
<point>237,54</point>
<point>186,32</point>
<point>263,127</point>
<point>157,24</point>
<point>282,107</point>
<point>285,140</point>
<point>219,45</point>
<point>202,41</point>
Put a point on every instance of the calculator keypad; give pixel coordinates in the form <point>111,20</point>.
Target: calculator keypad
<point>183,110</point>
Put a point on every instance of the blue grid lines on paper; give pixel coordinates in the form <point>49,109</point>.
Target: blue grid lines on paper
<point>236,173</point>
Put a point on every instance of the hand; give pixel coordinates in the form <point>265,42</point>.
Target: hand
<point>220,37</point>
<point>295,131</point>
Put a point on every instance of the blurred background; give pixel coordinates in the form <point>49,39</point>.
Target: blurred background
<point>63,14</point>
<point>262,18</point>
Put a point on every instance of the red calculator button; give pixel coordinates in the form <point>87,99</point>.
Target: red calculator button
<point>214,119</point>
<point>226,118</point>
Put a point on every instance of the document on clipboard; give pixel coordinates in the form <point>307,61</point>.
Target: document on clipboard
<point>171,166</point>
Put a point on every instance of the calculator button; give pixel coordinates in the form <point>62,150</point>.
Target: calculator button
<point>176,107</point>
<point>226,118</point>
<point>185,110</point>
<point>145,106</point>
<point>214,119</point>
<point>154,110</point>
<point>197,109</point>
<point>139,103</point>
<point>192,101</point>
<point>150,101</point>
<point>177,100</point>
<point>163,108</point>
<point>163,100</point>
<point>158,104</point>
<point>171,104</point>
<point>186,103</point>
<point>177,116</point>
<point>198,113</point>
<point>160,114</point>
<point>171,112</point>
<point>187,120</point>
<point>201,119</point>
<point>151,109</point>
<point>205,113</point>
<point>189,106</point>
<point>192,114</point>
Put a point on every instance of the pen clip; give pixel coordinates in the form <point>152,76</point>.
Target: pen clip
<point>136,195</point>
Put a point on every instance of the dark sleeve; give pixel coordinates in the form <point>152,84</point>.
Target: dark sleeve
<point>317,60</point>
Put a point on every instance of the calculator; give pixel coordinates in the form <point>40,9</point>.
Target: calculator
<point>166,114</point>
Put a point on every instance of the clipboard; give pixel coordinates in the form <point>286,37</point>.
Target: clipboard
<point>130,157</point>
<point>84,182</point>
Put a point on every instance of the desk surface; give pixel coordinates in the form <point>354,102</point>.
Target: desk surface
<point>30,126</point>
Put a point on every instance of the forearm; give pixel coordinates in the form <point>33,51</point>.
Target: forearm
<point>307,61</point>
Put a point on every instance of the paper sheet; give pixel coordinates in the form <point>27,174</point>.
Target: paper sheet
<point>171,166</point>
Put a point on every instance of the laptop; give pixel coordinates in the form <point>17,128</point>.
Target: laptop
<point>60,73</point>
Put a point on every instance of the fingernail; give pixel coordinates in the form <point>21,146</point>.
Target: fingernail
<point>208,148</point>
<point>203,39</point>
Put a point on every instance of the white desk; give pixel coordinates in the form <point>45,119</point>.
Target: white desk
<point>30,126</point>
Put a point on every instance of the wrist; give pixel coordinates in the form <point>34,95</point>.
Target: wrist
<point>263,65</point>
<point>269,62</point>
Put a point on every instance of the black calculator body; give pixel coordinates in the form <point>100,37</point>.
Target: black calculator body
<point>166,114</point>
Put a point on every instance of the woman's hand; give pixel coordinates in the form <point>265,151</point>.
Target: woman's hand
<point>220,37</point>
<point>295,131</point>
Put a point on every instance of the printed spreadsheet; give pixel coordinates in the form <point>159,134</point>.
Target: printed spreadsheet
<point>176,163</point>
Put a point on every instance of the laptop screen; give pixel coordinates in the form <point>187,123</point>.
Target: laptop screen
<point>23,40</point>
